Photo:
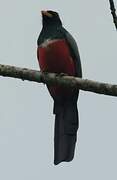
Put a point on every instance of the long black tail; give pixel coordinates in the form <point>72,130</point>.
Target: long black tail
<point>66,126</point>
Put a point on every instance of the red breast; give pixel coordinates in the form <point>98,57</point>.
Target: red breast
<point>54,56</point>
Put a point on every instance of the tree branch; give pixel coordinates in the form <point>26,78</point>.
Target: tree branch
<point>113,12</point>
<point>58,79</point>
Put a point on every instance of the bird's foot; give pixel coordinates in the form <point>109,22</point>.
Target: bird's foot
<point>62,74</point>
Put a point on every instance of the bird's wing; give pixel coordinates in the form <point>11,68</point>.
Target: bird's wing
<point>73,50</point>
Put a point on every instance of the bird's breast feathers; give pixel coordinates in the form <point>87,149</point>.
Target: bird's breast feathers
<point>48,41</point>
<point>54,56</point>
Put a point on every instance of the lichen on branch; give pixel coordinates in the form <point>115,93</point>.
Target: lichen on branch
<point>58,79</point>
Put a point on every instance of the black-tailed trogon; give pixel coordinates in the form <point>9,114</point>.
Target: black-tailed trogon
<point>57,52</point>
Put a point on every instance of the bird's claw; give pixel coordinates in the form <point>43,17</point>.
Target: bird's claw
<point>63,74</point>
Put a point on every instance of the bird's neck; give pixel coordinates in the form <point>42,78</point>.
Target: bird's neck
<point>47,32</point>
<point>50,27</point>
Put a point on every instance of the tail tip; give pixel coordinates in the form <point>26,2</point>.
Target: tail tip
<point>58,161</point>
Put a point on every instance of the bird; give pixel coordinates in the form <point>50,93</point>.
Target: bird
<point>57,52</point>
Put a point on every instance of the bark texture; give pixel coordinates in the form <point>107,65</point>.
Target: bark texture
<point>58,79</point>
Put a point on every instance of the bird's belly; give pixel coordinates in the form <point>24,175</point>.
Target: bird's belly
<point>55,58</point>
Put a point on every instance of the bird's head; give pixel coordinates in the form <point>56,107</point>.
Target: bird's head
<point>50,18</point>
